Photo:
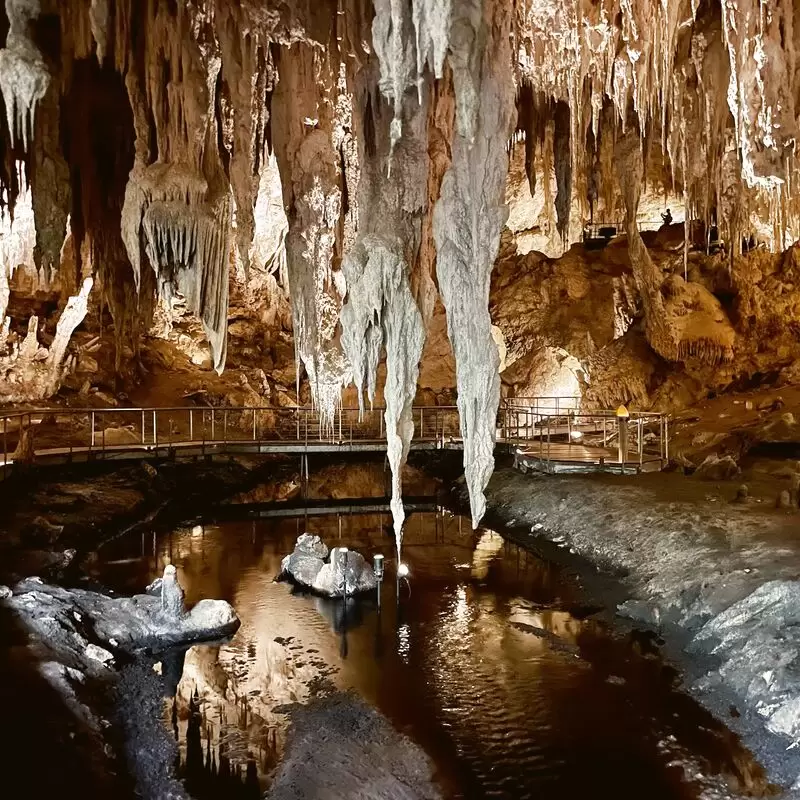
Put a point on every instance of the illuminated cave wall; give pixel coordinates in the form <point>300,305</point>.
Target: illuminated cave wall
<point>153,129</point>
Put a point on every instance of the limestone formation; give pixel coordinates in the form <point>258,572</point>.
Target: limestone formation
<point>172,605</point>
<point>333,178</point>
<point>307,567</point>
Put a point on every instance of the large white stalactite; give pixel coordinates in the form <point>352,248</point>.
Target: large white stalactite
<point>468,220</point>
<point>381,310</point>
<point>304,108</point>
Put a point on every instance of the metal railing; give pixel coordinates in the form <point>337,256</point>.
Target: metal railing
<point>645,434</point>
<point>71,430</point>
<point>65,431</point>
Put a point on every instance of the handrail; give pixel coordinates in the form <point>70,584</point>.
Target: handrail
<point>163,429</point>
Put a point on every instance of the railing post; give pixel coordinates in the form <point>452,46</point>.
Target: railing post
<point>104,437</point>
<point>421,421</point>
<point>142,442</point>
<point>666,438</point>
<point>155,428</point>
<point>5,446</point>
<point>212,424</point>
<point>380,424</point>
<point>548,440</point>
<point>254,423</point>
<point>91,441</point>
<point>641,442</point>
<point>225,426</point>
<point>191,425</point>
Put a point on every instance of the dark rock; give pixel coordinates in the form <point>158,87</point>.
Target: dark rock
<point>715,468</point>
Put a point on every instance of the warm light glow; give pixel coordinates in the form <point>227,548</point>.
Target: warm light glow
<point>404,642</point>
<point>197,530</point>
<point>402,571</point>
<point>576,436</point>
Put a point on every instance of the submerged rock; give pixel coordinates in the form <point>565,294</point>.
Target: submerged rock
<point>307,567</point>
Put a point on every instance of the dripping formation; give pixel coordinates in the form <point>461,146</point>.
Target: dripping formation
<point>141,134</point>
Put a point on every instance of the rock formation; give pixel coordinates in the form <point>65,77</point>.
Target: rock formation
<point>346,573</point>
<point>149,144</point>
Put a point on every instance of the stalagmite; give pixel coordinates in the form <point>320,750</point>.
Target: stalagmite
<point>467,222</point>
<point>30,372</point>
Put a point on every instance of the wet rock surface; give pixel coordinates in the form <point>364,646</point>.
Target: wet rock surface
<point>718,581</point>
<point>87,653</point>
<point>341,747</point>
<point>127,623</point>
<point>347,572</point>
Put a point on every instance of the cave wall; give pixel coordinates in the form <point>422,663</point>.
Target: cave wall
<point>332,179</point>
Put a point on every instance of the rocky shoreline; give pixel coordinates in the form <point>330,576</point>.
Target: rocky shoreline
<point>718,580</point>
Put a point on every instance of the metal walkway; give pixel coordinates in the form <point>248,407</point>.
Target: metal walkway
<point>529,427</point>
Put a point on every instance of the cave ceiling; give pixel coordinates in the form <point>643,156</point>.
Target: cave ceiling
<point>142,129</point>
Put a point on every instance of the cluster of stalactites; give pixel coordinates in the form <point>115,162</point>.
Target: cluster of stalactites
<point>406,41</point>
<point>701,79</point>
<point>382,312</point>
<point>23,75</point>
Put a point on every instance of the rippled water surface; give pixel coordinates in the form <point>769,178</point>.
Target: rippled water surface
<point>492,660</point>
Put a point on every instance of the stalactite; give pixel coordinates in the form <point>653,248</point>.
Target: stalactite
<point>23,75</point>
<point>304,110</point>
<point>562,159</point>
<point>392,31</point>
<point>381,310</point>
<point>243,51</point>
<point>468,219</point>
<point>50,182</point>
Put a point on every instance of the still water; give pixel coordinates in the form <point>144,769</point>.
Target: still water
<point>491,659</point>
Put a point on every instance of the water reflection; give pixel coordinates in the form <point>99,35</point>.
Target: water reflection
<point>486,662</point>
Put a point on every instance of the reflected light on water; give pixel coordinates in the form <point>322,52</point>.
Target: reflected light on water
<point>504,694</point>
<point>488,546</point>
<point>461,606</point>
<point>404,642</point>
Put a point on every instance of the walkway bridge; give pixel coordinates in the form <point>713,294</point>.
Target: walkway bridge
<point>548,430</point>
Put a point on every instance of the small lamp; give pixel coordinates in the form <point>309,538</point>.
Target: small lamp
<point>377,566</point>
